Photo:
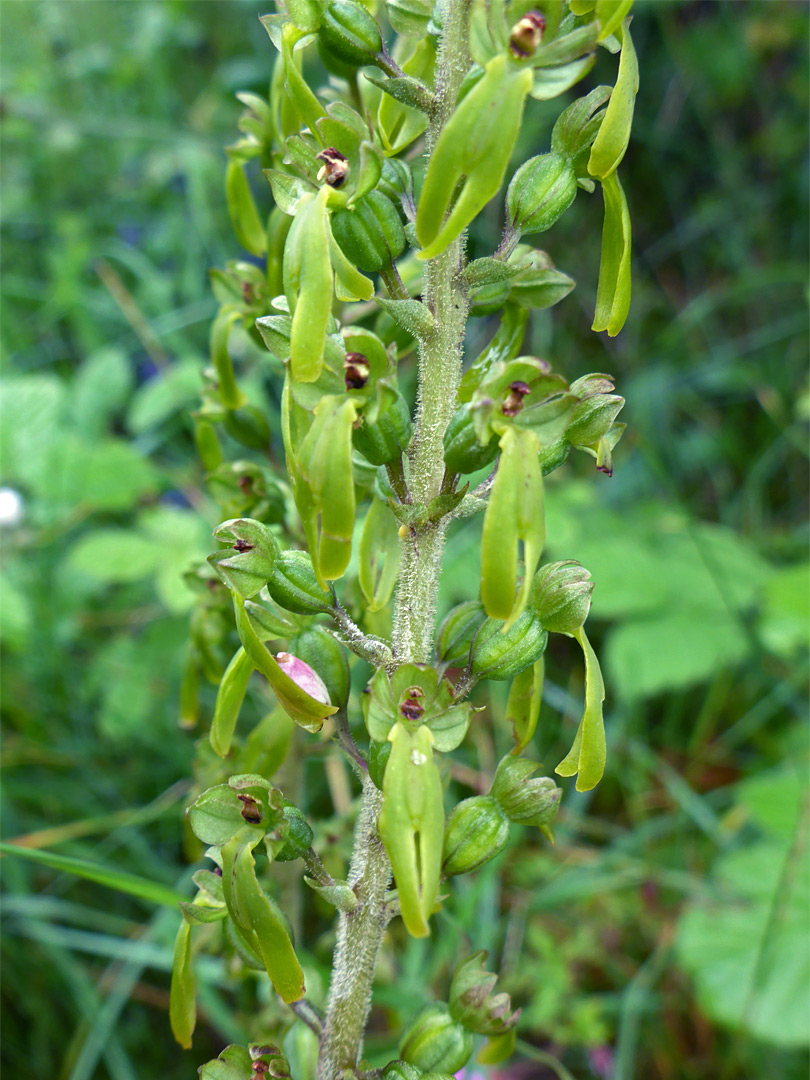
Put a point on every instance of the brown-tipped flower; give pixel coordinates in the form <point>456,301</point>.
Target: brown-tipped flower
<point>335,167</point>
<point>526,35</point>
<point>513,402</point>
<point>355,370</point>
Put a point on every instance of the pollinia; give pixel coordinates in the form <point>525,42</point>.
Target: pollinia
<point>317,611</point>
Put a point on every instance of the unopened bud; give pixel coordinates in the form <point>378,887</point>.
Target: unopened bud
<point>370,235</point>
<point>303,676</point>
<point>435,1041</point>
<point>561,596</point>
<point>401,1070</point>
<point>335,167</point>
<point>475,832</point>
<point>540,192</point>
<point>350,33</point>
<point>458,630</point>
<point>356,369</point>
<point>496,655</point>
<point>526,35</point>
<point>525,801</point>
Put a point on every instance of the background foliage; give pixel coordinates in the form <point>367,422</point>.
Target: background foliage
<point>665,933</point>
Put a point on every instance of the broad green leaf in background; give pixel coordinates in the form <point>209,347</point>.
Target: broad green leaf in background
<point>172,389</point>
<point>746,945</point>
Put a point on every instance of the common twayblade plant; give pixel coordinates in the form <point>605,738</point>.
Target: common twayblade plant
<point>376,176</point>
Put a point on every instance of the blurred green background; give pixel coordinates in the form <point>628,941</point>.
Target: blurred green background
<point>666,934</point>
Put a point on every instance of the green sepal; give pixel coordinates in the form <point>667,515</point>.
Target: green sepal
<point>613,290</point>
<point>308,286</point>
<point>199,913</point>
<point>577,126</point>
<point>463,453</point>
<point>410,17</point>
<point>476,144</point>
<point>245,566</point>
<point>350,284</point>
<point>303,99</point>
<point>230,695</point>
<point>434,1041</point>
<point>385,427</point>
<point>182,1000</point>
<point>232,1064</point>
<point>611,14</point>
<point>242,210</point>
<point>306,14</point>
<point>565,48</point>
<point>253,913</point>
<point>611,142</point>
<point>472,1003</point>
<point>514,515</point>
<point>550,82</point>
<point>523,705</point>
<point>378,555</point>
<point>586,758</point>
<point>411,824</point>
<point>304,709</point>
<point>229,393</point>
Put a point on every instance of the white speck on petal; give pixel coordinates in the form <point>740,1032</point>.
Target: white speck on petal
<point>418,758</point>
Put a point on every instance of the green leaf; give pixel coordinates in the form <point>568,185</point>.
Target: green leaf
<point>100,388</point>
<point>113,556</point>
<point>182,1003</point>
<point>120,880</point>
<point>586,757</point>
<point>671,651</point>
<point>746,946</point>
<point>171,390</point>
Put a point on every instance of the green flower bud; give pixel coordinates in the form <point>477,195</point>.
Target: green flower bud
<point>475,832</point>
<point>293,585</point>
<point>370,235</point>
<point>472,1002</point>
<point>539,193</point>
<point>435,1040</point>
<point>386,438</point>
<point>350,33</point>
<point>561,596</point>
<point>256,550</point>
<point>496,655</point>
<point>525,801</point>
<point>327,656</point>
<point>457,632</point>
<point>299,835</point>
<point>537,284</point>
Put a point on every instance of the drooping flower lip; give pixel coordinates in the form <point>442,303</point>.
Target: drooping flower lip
<point>303,676</point>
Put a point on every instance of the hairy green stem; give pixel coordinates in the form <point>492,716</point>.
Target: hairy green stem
<point>360,931</point>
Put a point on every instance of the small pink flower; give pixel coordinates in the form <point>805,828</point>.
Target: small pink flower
<point>304,676</point>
